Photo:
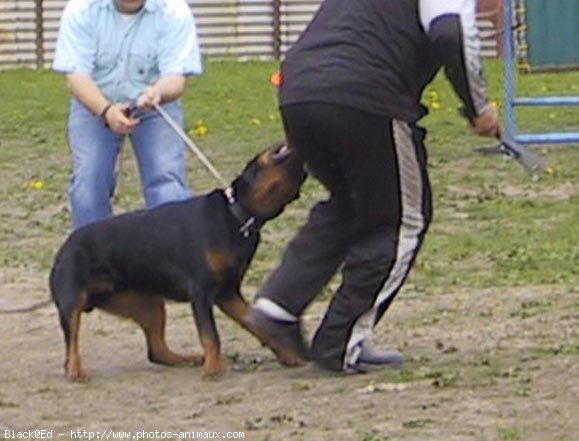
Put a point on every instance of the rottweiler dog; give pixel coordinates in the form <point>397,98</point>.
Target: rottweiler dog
<point>194,251</point>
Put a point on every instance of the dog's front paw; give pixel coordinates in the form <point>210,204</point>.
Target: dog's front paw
<point>213,370</point>
<point>75,373</point>
<point>288,357</point>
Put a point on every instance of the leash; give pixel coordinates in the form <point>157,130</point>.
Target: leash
<point>248,222</point>
<point>204,160</point>
<point>30,308</point>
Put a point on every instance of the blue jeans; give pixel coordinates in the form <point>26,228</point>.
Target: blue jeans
<point>95,148</point>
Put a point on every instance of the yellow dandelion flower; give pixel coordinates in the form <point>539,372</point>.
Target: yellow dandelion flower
<point>37,184</point>
<point>434,100</point>
<point>433,95</point>
<point>201,129</point>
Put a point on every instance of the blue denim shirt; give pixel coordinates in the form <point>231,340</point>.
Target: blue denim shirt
<point>125,53</point>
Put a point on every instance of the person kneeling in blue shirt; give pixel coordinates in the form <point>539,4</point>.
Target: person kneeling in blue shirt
<point>115,54</point>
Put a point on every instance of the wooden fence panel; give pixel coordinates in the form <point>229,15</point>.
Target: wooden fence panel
<point>240,29</point>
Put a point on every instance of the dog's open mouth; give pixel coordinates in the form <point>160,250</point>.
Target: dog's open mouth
<point>287,157</point>
<point>282,153</point>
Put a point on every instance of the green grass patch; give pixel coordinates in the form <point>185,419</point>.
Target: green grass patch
<point>513,433</point>
<point>494,225</point>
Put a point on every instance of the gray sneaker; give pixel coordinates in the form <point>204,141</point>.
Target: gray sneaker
<point>376,358</point>
<point>380,357</point>
<point>284,338</point>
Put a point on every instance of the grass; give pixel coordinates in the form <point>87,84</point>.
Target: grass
<point>511,434</point>
<point>372,436</point>
<point>494,225</point>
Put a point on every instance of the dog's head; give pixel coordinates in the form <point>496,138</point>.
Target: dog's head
<point>270,181</point>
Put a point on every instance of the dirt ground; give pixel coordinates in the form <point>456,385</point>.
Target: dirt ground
<point>485,365</point>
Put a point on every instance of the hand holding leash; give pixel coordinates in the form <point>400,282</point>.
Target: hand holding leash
<point>119,120</point>
<point>150,98</point>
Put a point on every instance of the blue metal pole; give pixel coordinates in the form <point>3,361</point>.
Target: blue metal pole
<point>509,70</point>
<point>550,138</point>
<point>547,101</point>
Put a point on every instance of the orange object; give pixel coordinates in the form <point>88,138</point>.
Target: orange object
<point>277,78</point>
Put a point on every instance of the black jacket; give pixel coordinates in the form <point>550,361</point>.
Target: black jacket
<point>378,55</point>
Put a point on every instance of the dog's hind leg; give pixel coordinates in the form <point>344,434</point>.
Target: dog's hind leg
<point>149,312</point>
<point>70,300</point>
<point>69,315</point>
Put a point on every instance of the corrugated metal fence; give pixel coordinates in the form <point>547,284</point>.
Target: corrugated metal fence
<point>227,28</point>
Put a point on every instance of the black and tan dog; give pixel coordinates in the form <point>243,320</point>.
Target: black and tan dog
<point>193,251</point>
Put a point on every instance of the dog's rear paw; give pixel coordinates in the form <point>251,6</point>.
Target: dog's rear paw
<point>74,371</point>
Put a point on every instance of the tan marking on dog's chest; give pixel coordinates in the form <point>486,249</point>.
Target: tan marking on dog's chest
<point>219,262</point>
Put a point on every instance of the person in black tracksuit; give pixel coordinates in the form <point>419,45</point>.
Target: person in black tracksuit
<point>350,102</point>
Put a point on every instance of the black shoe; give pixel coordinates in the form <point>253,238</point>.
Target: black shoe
<point>284,338</point>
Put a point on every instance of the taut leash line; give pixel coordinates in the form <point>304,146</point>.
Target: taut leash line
<point>206,162</point>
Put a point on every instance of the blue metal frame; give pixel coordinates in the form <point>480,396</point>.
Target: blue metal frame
<point>512,101</point>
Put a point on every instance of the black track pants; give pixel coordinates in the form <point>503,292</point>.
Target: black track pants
<point>372,226</point>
